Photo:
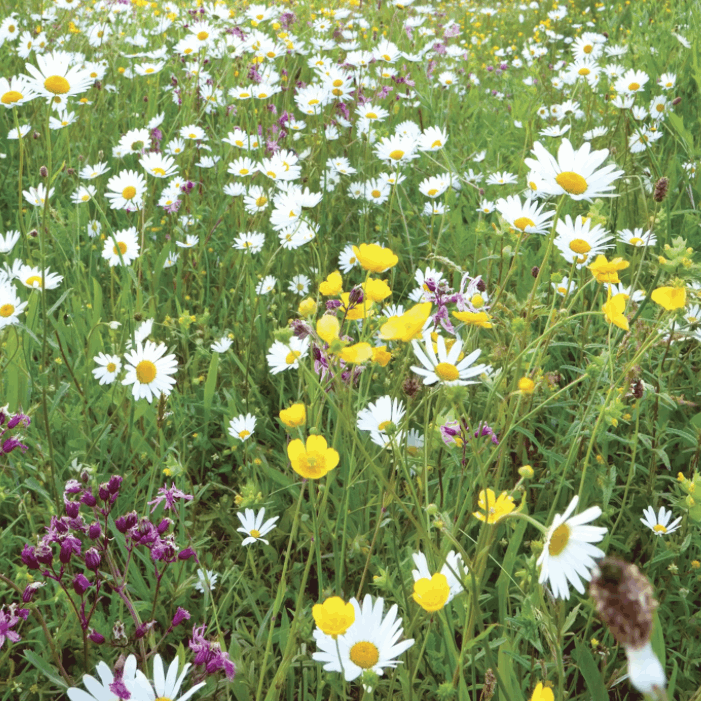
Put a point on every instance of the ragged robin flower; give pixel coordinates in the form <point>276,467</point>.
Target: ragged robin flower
<point>495,508</point>
<point>334,617</point>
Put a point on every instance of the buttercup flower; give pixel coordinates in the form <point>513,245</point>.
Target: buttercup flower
<point>495,508</point>
<point>334,617</point>
<point>431,594</point>
<point>313,460</point>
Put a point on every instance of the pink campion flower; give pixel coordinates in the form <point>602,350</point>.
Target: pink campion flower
<point>169,495</point>
<point>210,654</point>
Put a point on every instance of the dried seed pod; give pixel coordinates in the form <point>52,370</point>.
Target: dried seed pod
<point>661,187</point>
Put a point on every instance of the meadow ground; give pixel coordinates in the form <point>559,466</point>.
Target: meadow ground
<point>350,351</point>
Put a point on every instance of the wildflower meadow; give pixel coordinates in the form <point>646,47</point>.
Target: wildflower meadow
<point>350,350</point>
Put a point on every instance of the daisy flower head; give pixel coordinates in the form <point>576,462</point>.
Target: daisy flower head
<point>99,690</point>
<point>568,554</point>
<point>527,217</point>
<point>126,190</point>
<point>108,367</point>
<point>371,643</point>
<point>254,526</point>
<point>286,356</point>
<point>10,305</point>
<point>166,685</point>
<point>15,92</point>
<point>8,241</point>
<point>379,417</point>
<point>444,366</point>
<point>433,139</point>
<point>637,237</point>
<point>396,150</point>
<point>565,286</point>
<point>30,277</point>
<point>251,241</point>
<point>206,580</point>
<point>222,345</point>
<point>158,165</point>
<point>631,82</point>
<point>55,79</point>
<point>501,178</point>
<point>150,371</point>
<point>578,241</point>
<point>242,427</point>
<point>122,247</point>
<point>575,173</point>
<point>660,524</point>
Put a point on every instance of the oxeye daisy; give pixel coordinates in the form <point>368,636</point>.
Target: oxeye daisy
<point>99,690</point>
<point>122,247</point>
<point>222,345</point>
<point>242,427</point>
<point>55,79</point>
<point>150,371</point>
<point>371,642</point>
<point>165,685</point>
<point>631,82</point>
<point>637,237</point>
<point>83,194</point>
<point>8,241</point>
<point>30,277</point>
<point>396,150</point>
<point>526,217</point>
<point>91,172</point>
<point>108,368</point>
<point>15,92</point>
<point>575,173</point>
<point>660,525</point>
<point>381,416</point>
<point>158,165</point>
<point>286,356</point>
<point>254,527</point>
<point>10,305</point>
<point>579,242</point>
<point>443,366</point>
<point>126,190</point>
<point>568,554</point>
<point>251,241</point>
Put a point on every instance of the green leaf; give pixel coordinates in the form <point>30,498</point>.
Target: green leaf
<point>48,670</point>
<point>657,639</point>
<point>590,672</point>
<point>210,385</point>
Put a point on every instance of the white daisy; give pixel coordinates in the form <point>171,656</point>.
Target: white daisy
<point>242,427</point>
<point>31,277</point>
<point>377,417</point>
<point>206,579</point>
<point>8,241</point>
<point>568,555</point>
<point>526,217</point>
<point>100,690</point>
<point>122,247</point>
<point>253,526</point>
<point>55,79</point>
<point>372,642</point>
<point>10,305</point>
<point>222,345</point>
<point>167,686</point>
<point>579,242</point>
<point>444,366</point>
<point>660,525</point>
<point>637,237</point>
<point>108,368</point>
<point>149,371</point>
<point>126,190</point>
<point>286,356</point>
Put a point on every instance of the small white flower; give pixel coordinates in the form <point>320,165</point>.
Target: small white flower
<point>660,525</point>
<point>254,527</point>
<point>222,345</point>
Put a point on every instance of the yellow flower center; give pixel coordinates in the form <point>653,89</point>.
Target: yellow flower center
<point>584,71</point>
<point>129,192</point>
<point>291,357</point>
<point>371,115</point>
<point>7,310</point>
<point>383,425</point>
<point>437,144</point>
<point>261,201</point>
<point>57,84</point>
<point>314,102</point>
<point>559,540</point>
<point>634,86</point>
<point>110,367</point>
<point>11,97</point>
<point>580,246</point>
<point>447,372</point>
<point>244,434</point>
<point>532,185</point>
<point>158,171</point>
<point>192,135</point>
<point>659,107</point>
<point>253,532</point>
<point>85,198</point>
<point>365,655</point>
<point>149,70</point>
<point>376,193</point>
<point>202,35</point>
<point>34,280</point>
<point>396,155</point>
<point>433,191</point>
<point>573,183</point>
<point>121,247</point>
<point>659,528</point>
<point>562,290</point>
<point>145,372</point>
<point>523,222</point>
<point>588,49</point>
<point>636,241</point>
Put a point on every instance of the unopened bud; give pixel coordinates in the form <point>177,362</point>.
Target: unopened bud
<point>44,172</point>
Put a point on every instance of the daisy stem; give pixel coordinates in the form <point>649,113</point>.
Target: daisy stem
<point>529,519</point>
<point>20,141</point>
<point>421,652</point>
<point>282,588</point>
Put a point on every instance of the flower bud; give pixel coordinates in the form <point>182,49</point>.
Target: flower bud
<point>355,296</point>
<point>115,482</point>
<point>44,554</point>
<point>180,615</point>
<point>72,486</point>
<point>94,530</point>
<point>96,637</point>
<point>88,499</point>
<point>103,491</point>
<point>72,508</point>
<point>187,554</point>
<point>526,471</point>
<point>30,590</point>
<point>124,523</point>
<point>44,172</point>
<point>92,559</point>
<point>29,558</point>
<point>164,525</point>
<point>81,584</point>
